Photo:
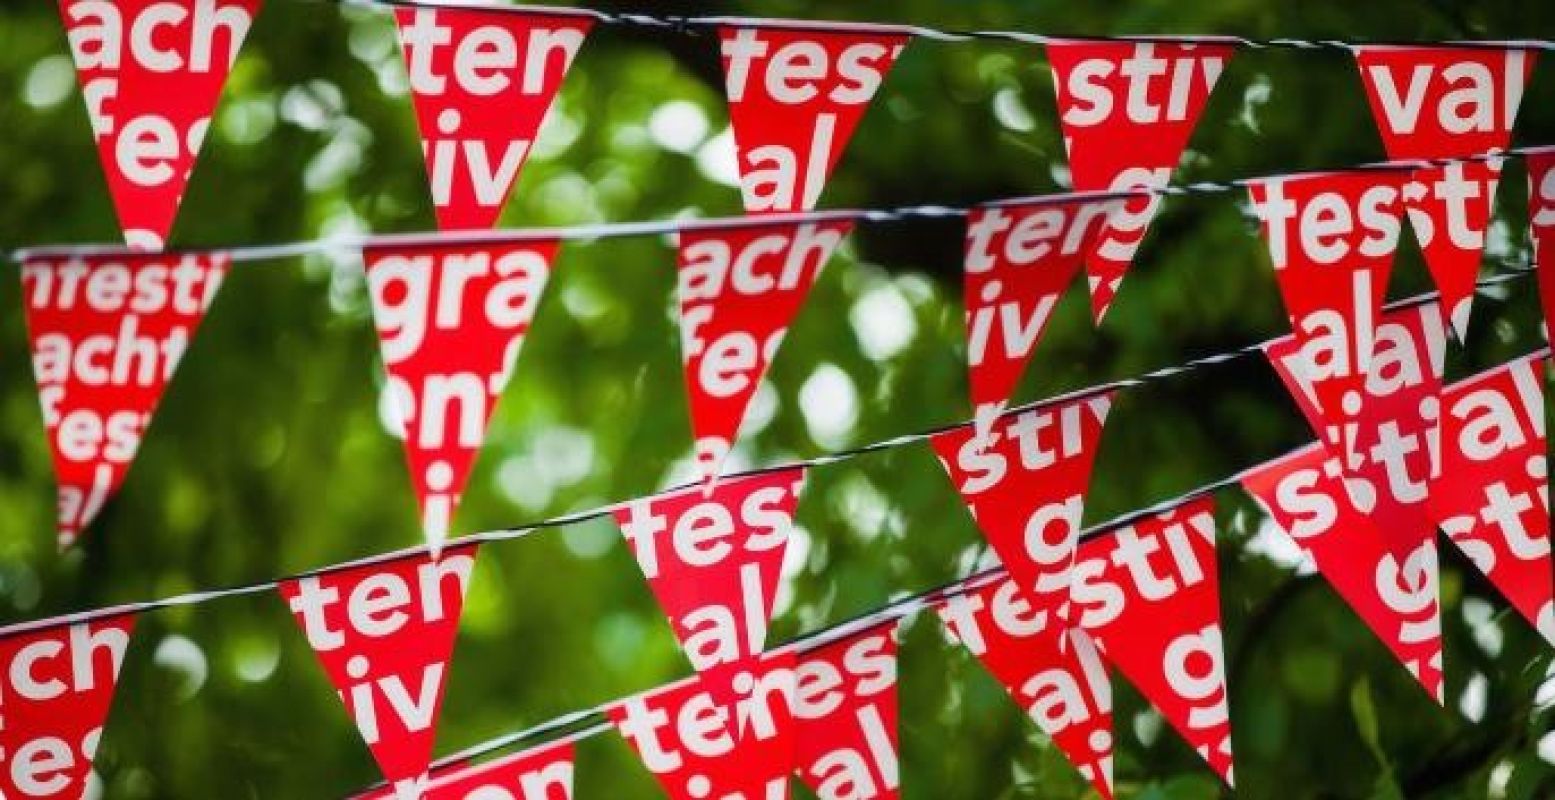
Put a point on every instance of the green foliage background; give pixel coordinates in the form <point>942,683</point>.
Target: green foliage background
<point>268,455</point>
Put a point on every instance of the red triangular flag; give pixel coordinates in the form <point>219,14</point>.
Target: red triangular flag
<point>107,332</point>
<point>845,717</point>
<point>483,79</point>
<point>384,632</point>
<point>1492,499</point>
<point>151,72</point>
<point>1387,434</point>
<point>1150,596</point>
<point>1396,598</point>
<point>1332,236</point>
<point>1063,685</point>
<point>686,736</point>
<point>451,319</point>
<point>795,95</point>
<point>713,560</point>
<point>1446,101</point>
<point>740,286</point>
<point>1020,257</point>
<point>1128,110</point>
<point>60,687</point>
<point>1541,218</point>
<point>1025,484</point>
<point>540,773</point>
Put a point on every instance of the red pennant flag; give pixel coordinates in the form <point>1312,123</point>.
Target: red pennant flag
<point>483,80</point>
<point>1020,256</point>
<point>541,773</point>
<point>1149,594</point>
<point>1025,483</point>
<point>795,96</point>
<point>1062,685</point>
<point>844,709</point>
<point>451,319</point>
<point>740,287</point>
<point>384,632</point>
<point>1387,435</point>
<point>151,72</point>
<point>1332,236</point>
<point>59,683</point>
<point>1446,102</point>
<point>1396,597</point>
<point>713,561</point>
<point>107,332</point>
<point>1493,497</point>
<point>1541,218</point>
<point>1128,110</point>
<point>686,736</point>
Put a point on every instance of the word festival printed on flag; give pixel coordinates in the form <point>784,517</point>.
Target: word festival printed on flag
<point>1024,483</point>
<point>1020,257</point>
<point>384,633</point>
<point>1387,437</point>
<point>713,561</point>
<point>740,286</point>
<point>795,96</point>
<point>1127,110</point>
<point>151,72</point>
<point>451,320</point>
<point>1444,102</point>
<point>1396,597</point>
<point>1493,498</point>
<point>1054,673</point>
<point>58,683</point>
<point>482,80</point>
<point>107,333</point>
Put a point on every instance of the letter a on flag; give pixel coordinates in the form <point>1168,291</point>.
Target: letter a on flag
<point>60,687</point>
<point>713,561</point>
<point>1056,675</point>
<point>1492,496</point>
<point>1164,635</point>
<point>483,80</point>
<point>1386,433</point>
<point>796,92</point>
<point>1020,257</point>
<point>1396,597</point>
<point>1025,484</point>
<point>845,743</point>
<point>1442,102</point>
<point>1128,110</point>
<point>151,72</point>
<point>1333,278</point>
<point>451,320</point>
<point>740,286</point>
<point>384,633</point>
<point>107,332</point>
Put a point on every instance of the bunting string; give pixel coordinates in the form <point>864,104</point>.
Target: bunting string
<point>902,607</point>
<point>615,230</point>
<point>696,25</point>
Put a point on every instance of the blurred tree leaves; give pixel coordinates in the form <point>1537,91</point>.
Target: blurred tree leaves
<point>268,455</point>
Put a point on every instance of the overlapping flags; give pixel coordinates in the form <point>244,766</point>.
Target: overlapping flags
<point>1400,453</point>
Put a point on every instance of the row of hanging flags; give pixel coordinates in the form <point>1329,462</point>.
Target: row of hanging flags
<point>108,329</point>
<point>1364,501</point>
<point>1140,595</point>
